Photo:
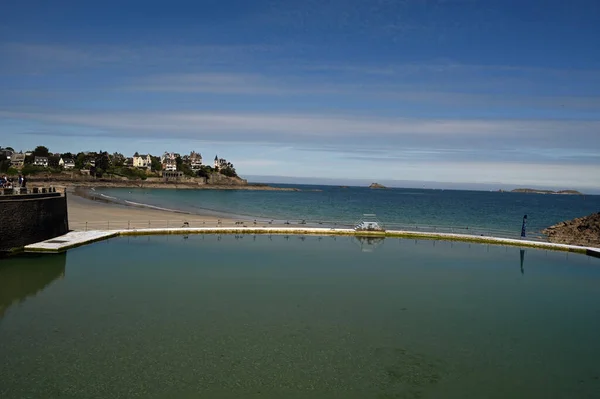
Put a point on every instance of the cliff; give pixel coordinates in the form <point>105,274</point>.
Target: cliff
<point>583,231</point>
<point>219,179</point>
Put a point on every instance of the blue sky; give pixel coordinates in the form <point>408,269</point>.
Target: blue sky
<point>493,92</point>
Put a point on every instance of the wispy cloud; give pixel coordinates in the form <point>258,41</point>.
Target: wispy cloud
<point>53,57</point>
<point>301,128</point>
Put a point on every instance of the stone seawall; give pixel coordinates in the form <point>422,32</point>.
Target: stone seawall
<point>28,219</point>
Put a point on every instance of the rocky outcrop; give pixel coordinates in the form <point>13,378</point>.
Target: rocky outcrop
<point>536,191</point>
<point>222,180</point>
<point>377,185</point>
<point>583,231</point>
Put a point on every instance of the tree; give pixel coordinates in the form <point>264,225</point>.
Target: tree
<point>41,151</point>
<point>118,159</point>
<point>4,164</point>
<point>67,155</point>
<point>187,170</point>
<point>102,162</point>
<point>80,160</point>
<point>156,164</point>
<point>179,163</point>
<point>53,161</point>
<point>228,170</point>
<point>205,171</point>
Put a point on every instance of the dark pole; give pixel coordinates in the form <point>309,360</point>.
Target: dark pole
<point>524,227</point>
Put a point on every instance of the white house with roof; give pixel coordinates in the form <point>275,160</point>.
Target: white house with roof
<point>66,163</point>
<point>169,165</point>
<point>220,162</point>
<point>143,161</point>
<point>41,161</point>
<point>195,160</point>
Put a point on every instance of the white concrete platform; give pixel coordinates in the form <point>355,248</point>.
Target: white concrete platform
<point>77,238</point>
<point>70,240</point>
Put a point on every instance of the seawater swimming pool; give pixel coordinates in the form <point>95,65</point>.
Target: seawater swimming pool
<point>260,316</point>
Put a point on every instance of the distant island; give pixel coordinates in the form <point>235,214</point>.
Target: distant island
<point>537,191</point>
<point>377,185</point>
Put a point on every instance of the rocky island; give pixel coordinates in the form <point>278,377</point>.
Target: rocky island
<point>377,185</point>
<point>584,231</point>
<point>537,191</point>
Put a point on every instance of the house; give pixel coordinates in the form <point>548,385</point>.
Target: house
<point>17,160</point>
<point>128,162</point>
<point>169,155</point>
<point>169,161</point>
<point>142,161</point>
<point>220,162</point>
<point>66,163</point>
<point>170,165</point>
<point>6,152</point>
<point>195,160</point>
<point>41,161</point>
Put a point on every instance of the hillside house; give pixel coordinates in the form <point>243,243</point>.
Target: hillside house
<point>142,161</point>
<point>169,161</point>
<point>169,155</point>
<point>41,161</point>
<point>220,162</point>
<point>66,163</point>
<point>195,160</point>
<point>17,160</point>
<point>7,153</point>
<point>170,165</point>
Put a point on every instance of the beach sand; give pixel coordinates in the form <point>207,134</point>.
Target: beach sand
<point>88,214</point>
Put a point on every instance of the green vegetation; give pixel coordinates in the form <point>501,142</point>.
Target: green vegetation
<point>41,151</point>
<point>102,163</point>
<point>4,164</point>
<point>130,173</point>
<point>156,165</point>
<point>30,169</point>
<point>205,171</point>
<point>228,171</point>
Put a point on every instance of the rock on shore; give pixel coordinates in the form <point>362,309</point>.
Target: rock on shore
<point>583,231</point>
<point>377,185</point>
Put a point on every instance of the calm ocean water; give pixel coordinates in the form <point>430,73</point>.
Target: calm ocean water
<point>491,210</point>
<point>320,317</point>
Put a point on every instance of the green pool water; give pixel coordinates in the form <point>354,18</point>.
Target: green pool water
<point>299,317</point>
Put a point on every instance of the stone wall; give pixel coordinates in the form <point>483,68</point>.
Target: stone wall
<point>28,219</point>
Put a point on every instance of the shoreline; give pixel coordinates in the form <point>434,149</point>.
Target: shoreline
<point>88,212</point>
<point>154,184</point>
<point>90,194</point>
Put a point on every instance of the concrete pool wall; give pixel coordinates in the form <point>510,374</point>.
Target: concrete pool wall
<point>77,238</point>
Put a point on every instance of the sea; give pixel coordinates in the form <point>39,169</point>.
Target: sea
<point>493,212</point>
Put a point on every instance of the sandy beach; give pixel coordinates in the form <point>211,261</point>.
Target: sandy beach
<point>85,213</point>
